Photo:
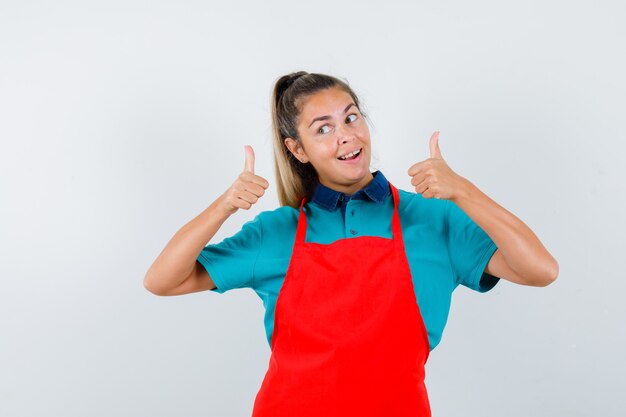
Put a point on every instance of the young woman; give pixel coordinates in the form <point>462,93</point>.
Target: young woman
<point>355,275</point>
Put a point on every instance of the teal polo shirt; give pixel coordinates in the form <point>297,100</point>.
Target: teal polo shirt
<point>444,246</point>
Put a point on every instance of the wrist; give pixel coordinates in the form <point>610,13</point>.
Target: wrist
<point>465,191</point>
<point>218,208</point>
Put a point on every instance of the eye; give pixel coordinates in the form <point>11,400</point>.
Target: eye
<point>353,120</point>
<point>320,129</point>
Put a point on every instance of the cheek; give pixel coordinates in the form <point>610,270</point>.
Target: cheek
<point>326,151</point>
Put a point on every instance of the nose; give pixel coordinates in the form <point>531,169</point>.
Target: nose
<point>344,135</point>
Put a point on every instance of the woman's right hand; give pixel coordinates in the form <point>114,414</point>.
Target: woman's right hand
<point>247,188</point>
<point>176,270</point>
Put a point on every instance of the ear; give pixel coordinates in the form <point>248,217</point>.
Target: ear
<point>297,150</point>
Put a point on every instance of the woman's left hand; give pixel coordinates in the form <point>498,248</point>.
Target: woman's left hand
<point>434,178</point>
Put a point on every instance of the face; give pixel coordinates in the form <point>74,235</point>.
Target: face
<point>331,127</point>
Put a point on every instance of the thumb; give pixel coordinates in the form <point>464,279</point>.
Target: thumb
<point>435,152</point>
<point>249,164</point>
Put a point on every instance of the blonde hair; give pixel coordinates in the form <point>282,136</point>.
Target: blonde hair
<point>294,179</point>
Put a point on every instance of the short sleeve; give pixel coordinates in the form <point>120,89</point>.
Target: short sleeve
<point>469,249</point>
<point>231,262</point>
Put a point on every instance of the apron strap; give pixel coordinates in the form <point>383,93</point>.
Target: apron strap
<point>396,229</point>
<point>301,231</point>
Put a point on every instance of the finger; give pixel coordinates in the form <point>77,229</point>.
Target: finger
<point>435,152</point>
<point>418,178</point>
<point>241,204</point>
<point>261,181</point>
<point>249,164</point>
<point>423,186</point>
<point>255,189</point>
<point>248,177</point>
<point>246,196</point>
<point>416,168</point>
<point>429,193</point>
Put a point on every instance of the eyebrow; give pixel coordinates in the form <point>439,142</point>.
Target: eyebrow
<point>328,117</point>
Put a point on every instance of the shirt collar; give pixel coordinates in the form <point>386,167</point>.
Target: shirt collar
<point>377,190</point>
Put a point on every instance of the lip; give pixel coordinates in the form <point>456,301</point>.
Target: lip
<point>350,151</point>
<point>352,161</point>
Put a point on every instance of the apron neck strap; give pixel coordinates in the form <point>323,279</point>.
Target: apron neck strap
<point>301,230</point>
<point>396,230</point>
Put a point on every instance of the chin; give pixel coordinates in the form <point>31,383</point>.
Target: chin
<point>359,174</point>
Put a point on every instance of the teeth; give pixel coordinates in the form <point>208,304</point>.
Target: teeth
<point>350,154</point>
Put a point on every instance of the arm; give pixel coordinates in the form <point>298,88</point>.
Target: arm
<point>520,258</point>
<point>176,270</point>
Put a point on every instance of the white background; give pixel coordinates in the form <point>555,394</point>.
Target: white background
<point>121,121</point>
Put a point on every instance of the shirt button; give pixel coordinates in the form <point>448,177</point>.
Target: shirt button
<point>354,232</point>
<point>352,212</point>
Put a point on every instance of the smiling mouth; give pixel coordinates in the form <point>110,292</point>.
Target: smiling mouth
<point>352,155</point>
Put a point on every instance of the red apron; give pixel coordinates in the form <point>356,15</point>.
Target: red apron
<point>348,338</point>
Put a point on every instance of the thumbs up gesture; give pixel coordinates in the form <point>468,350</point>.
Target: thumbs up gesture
<point>433,177</point>
<point>247,188</point>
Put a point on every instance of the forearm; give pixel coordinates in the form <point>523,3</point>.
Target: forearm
<point>520,247</point>
<point>177,260</point>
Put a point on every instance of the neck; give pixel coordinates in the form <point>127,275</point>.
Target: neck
<point>350,189</point>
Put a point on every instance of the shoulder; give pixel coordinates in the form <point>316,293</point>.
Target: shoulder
<point>278,215</point>
<point>415,205</point>
<point>417,212</point>
<point>280,220</point>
